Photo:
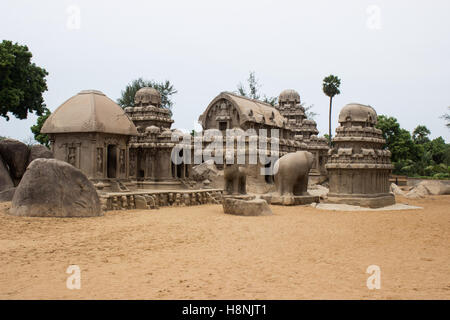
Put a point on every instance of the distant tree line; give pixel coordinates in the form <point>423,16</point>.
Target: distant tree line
<point>414,154</point>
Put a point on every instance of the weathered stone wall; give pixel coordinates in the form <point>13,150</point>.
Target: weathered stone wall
<point>89,152</point>
<point>156,199</point>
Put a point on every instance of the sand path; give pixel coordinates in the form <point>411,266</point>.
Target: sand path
<point>201,253</point>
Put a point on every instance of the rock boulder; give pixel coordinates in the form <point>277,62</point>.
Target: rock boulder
<point>418,192</point>
<point>204,171</point>
<point>15,154</point>
<point>7,195</point>
<point>54,188</point>
<point>39,151</point>
<point>395,189</point>
<point>257,207</point>
<point>435,187</point>
<point>5,179</point>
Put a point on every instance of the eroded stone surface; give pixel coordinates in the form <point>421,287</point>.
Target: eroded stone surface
<point>15,154</point>
<point>204,171</point>
<point>418,192</point>
<point>7,195</point>
<point>5,179</point>
<point>54,188</point>
<point>256,207</point>
<point>436,187</point>
<point>395,189</point>
<point>39,151</point>
<point>141,202</point>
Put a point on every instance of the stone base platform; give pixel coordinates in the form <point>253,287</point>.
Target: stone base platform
<point>256,207</point>
<point>238,196</point>
<point>368,202</point>
<point>289,200</point>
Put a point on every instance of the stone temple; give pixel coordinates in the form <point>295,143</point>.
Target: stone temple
<point>150,150</point>
<point>305,130</point>
<point>358,166</point>
<point>127,152</point>
<point>92,133</point>
<point>296,132</point>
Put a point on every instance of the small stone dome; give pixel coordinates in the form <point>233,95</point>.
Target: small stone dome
<point>146,96</point>
<point>289,95</point>
<point>355,112</point>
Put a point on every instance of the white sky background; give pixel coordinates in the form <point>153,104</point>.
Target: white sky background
<point>205,47</point>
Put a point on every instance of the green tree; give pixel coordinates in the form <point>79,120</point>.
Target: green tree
<point>165,88</point>
<point>438,148</point>
<point>330,87</point>
<point>420,134</point>
<point>21,82</point>
<point>252,91</point>
<point>42,138</point>
<point>415,155</point>
<point>398,140</point>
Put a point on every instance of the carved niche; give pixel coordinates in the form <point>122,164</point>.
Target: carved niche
<point>122,160</point>
<point>99,160</point>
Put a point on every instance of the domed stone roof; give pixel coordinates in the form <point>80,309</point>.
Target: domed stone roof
<point>289,95</point>
<point>355,112</point>
<point>146,96</point>
<point>89,111</point>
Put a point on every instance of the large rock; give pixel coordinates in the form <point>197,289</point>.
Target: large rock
<point>7,195</point>
<point>318,190</point>
<point>257,207</point>
<point>15,154</point>
<point>204,171</point>
<point>435,187</point>
<point>54,188</point>
<point>5,179</point>
<point>395,189</point>
<point>418,192</point>
<point>39,151</point>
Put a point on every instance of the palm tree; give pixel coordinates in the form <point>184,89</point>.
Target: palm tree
<point>331,88</point>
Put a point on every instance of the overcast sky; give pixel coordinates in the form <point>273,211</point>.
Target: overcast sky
<point>393,55</point>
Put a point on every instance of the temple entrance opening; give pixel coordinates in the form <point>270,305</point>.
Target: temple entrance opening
<point>112,161</point>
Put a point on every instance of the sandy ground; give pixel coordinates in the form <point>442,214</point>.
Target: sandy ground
<point>199,252</point>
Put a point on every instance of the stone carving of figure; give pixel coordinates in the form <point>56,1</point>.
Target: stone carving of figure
<point>235,179</point>
<point>100,160</point>
<point>122,161</point>
<point>72,157</point>
<point>177,199</point>
<point>292,171</point>
<point>187,199</point>
<point>132,164</point>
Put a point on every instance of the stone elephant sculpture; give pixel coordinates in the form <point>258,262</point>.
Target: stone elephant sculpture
<point>291,173</point>
<point>235,178</point>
